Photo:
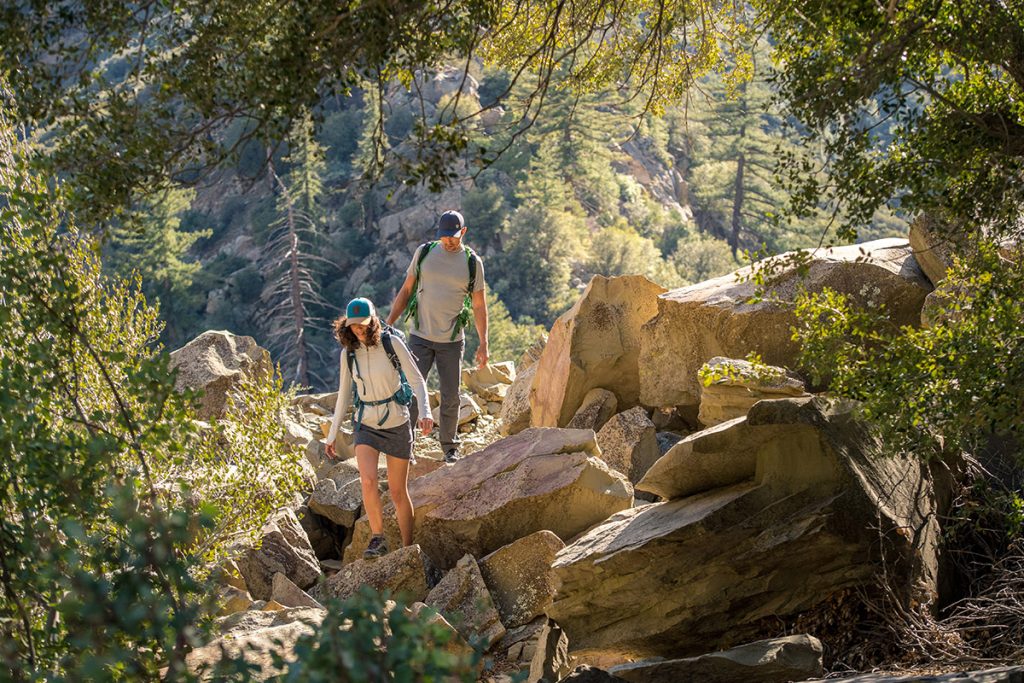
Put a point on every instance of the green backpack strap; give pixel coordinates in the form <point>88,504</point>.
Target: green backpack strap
<point>412,308</point>
<point>462,319</point>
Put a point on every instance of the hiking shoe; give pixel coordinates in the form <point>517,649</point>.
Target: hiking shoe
<point>378,547</point>
<point>451,456</point>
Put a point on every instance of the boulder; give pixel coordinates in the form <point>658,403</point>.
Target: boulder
<point>539,649</point>
<point>715,318</point>
<point>256,637</point>
<point>719,456</point>
<point>538,479</point>
<point>933,250</point>
<point>215,363</point>
<point>823,513</point>
<point>736,385</point>
<point>519,576</point>
<point>339,496</point>
<point>777,660</point>
<point>490,382</point>
<point>597,408</point>
<point>286,593</point>
<point>469,410</point>
<point>456,644</point>
<point>1002,674</point>
<point>515,409</point>
<point>596,343</point>
<point>232,600</point>
<point>402,572</point>
<point>464,599</point>
<point>629,443</point>
<point>283,547</point>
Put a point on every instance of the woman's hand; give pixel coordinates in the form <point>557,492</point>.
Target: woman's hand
<point>426,425</point>
<point>330,451</point>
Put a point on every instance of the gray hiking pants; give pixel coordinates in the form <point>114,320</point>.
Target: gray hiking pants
<point>448,358</point>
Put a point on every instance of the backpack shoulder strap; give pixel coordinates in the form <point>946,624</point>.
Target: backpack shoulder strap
<point>425,249</point>
<point>471,261</point>
<point>389,349</point>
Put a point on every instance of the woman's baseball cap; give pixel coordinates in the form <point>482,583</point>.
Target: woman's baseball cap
<point>359,312</point>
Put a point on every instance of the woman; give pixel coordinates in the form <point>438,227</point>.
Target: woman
<point>382,414</point>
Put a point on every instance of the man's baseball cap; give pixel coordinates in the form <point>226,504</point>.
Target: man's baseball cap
<point>450,224</point>
<point>359,312</point>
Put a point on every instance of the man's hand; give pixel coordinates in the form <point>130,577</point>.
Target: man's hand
<point>481,355</point>
<point>426,425</point>
<point>330,451</point>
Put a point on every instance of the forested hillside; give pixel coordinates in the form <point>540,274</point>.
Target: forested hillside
<point>591,187</point>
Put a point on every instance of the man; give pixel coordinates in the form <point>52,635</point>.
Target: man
<point>438,293</point>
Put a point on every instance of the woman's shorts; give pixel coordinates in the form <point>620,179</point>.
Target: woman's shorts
<point>396,441</point>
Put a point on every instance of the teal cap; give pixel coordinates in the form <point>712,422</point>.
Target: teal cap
<point>359,312</point>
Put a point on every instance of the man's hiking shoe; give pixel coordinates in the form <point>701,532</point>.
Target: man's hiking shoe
<point>378,547</point>
<point>451,456</point>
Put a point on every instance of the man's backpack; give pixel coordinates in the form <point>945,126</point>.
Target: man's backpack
<point>412,309</point>
<point>402,396</point>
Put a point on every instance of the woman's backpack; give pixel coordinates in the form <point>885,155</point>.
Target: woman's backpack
<point>403,395</point>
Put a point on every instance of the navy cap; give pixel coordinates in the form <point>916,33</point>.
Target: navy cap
<point>359,312</point>
<point>450,224</point>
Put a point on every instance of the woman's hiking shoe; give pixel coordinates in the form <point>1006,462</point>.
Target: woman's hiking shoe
<point>451,456</point>
<point>378,547</point>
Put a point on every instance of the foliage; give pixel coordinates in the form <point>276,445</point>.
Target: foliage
<point>944,388</point>
<point>195,68</point>
<point>702,257</point>
<point>93,585</point>
<point>916,103</point>
<point>371,638</point>
<point>618,250</point>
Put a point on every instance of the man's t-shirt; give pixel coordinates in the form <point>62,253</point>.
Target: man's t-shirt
<point>444,277</point>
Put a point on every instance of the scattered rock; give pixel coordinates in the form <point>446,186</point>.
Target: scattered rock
<point>1003,674</point>
<point>402,572</point>
<point>597,408</point>
<point>339,497</point>
<point>590,674</point>
<point>286,593</point>
<point>629,444</point>
<point>464,598</point>
<point>490,382</point>
<point>778,660</point>
<point>215,363</point>
<point>283,547</point>
<point>540,648</point>
<point>740,385</point>
<point>519,576</point>
<point>537,479</point>
<point>233,600</point>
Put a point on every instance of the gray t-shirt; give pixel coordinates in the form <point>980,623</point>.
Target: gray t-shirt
<point>444,276</point>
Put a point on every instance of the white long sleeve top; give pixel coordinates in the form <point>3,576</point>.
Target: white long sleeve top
<point>376,379</point>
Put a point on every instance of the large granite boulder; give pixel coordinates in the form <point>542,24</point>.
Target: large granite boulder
<point>711,458</point>
<point>597,408</point>
<point>402,572</point>
<point>733,386</point>
<point>256,637</point>
<point>696,323</point>
<point>215,363</point>
<point>777,660</point>
<point>932,249</point>
<point>283,547</point>
<point>629,443</point>
<point>519,576</point>
<point>823,513</point>
<point>463,598</point>
<point>538,479</point>
<point>339,496</point>
<point>596,343</point>
<point>539,649</point>
<point>515,409</point>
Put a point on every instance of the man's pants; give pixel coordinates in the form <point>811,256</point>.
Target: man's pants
<point>448,357</point>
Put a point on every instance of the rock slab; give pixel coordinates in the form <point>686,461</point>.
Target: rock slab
<point>283,547</point>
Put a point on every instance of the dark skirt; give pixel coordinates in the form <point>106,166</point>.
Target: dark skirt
<point>396,441</point>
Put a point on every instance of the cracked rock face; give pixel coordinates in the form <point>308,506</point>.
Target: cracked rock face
<point>714,318</point>
<point>675,579</point>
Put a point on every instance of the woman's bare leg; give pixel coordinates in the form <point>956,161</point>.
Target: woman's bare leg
<point>398,485</point>
<point>366,459</point>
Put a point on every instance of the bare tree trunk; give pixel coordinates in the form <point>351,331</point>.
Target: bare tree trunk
<point>737,205</point>
<point>295,288</point>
